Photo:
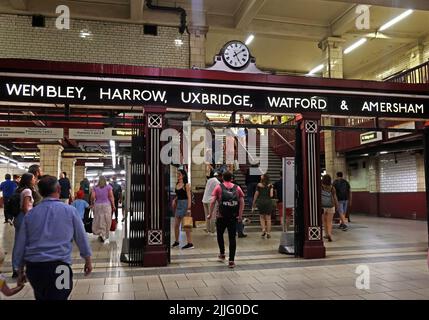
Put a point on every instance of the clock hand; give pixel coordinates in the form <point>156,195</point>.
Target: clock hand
<point>237,53</point>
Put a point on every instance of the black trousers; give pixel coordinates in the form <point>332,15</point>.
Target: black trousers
<point>117,209</point>
<point>231,225</point>
<point>50,280</point>
<point>7,215</point>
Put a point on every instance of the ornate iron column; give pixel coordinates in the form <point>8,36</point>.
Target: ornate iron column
<point>155,247</point>
<point>312,243</point>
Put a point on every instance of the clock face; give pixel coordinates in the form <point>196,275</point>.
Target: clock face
<point>236,55</point>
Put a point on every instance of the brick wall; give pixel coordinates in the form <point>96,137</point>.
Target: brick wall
<point>112,43</point>
<point>398,174</point>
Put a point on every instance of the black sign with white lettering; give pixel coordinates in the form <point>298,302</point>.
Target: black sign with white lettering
<point>211,96</point>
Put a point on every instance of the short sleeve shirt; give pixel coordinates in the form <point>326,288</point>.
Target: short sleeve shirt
<point>26,193</point>
<point>217,192</point>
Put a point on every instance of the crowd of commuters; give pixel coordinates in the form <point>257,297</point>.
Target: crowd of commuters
<point>47,219</point>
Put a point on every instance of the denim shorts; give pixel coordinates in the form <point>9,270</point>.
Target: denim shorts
<point>342,206</point>
<point>182,208</point>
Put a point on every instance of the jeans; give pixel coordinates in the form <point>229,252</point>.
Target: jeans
<point>116,208</point>
<point>17,222</point>
<point>231,225</point>
<point>251,189</point>
<point>240,227</point>
<point>50,280</point>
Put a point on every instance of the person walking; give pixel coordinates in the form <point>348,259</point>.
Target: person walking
<point>85,186</point>
<point>251,183</point>
<point>278,188</point>
<point>263,201</point>
<point>80,204</point>
<point>8,188</point>
<point>64,182</point>
<point>182,204</point>
<point>26,191</point>
<point>240,224</point>
<point>207,196</point>
<point>329,203</point>
<point>103,204</point>
<point>44,244</point>
<point>36,171</point>
<point>231,205</point>
<point>117,195</point>
<point>344,196</point>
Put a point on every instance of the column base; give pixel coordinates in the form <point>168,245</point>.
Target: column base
<point>155,256</point>
<point>314,250</point>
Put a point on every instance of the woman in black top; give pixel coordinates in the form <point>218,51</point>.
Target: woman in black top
<point>182,207</point>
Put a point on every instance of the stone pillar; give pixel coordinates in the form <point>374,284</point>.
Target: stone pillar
<point>50,159</point>
<point>198,46</point>
<point>68,166</point>
<point>198,171</point>
<point>420,161</point>
<point>333,68</point>
<point>79,174</point>
<point>309,185</point>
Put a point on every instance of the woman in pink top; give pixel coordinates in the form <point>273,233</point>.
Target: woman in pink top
<point>103,204</point>
<point>26,190</point>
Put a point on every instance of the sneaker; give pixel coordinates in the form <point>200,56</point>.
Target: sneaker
<point>14,274</point>
<point>268,236</point>
<point>242,235</point>
<point>101,238</point>
<point>175,244</point>
<point>263,235</point>
<point>231,264</point>
<point>221,257</point>
<point>344,227</point>
<point>10,222</point>
<point>188,246</point>
<point>329,238</point>
<point>107,241</point>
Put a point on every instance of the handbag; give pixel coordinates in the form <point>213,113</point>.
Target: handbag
<point>87,222</point>
<point>187,222</point>
<point>113,225</point>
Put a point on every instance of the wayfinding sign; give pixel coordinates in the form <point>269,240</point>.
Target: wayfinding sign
<point>209,96</point>
<point>31,132</point>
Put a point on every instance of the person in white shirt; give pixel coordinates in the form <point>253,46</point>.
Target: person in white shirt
<point>210,186</point>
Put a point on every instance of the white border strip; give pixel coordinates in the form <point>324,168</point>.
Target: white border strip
<point>213,85</point>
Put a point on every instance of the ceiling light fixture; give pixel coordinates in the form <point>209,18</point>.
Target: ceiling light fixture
<point>396,20</point>
<point>316,69</point>
<point>355,45</point>
<point>249,39</point>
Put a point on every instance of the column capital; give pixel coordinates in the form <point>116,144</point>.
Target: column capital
<point>332,42</point>
<point>198,31</point>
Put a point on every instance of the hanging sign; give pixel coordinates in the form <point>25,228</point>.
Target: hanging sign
<point>407,125</point>
<point>31,132</point>
<point>218,97</point>
<point>369,137</point>
<point>118,134</point>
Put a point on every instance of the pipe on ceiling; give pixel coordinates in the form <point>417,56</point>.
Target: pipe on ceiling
<point>180,10</point>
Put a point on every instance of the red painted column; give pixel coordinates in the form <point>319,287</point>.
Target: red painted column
<point>313,235</point>
<point>155,252</point>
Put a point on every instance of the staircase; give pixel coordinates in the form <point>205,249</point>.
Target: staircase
<point>274,172</point>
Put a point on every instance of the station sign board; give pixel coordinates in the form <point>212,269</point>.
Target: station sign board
<point>215,96</point>
<point>369,137</point>
<point>31,132</point>
<point>118,134</point>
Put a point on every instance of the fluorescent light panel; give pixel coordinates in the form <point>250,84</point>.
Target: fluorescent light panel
<point>396,20</point>
<point>316,69</point>
<point>355,45</point>
<point>249,39</point>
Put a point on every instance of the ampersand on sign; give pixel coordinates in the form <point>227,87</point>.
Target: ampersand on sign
<point>344,106</point>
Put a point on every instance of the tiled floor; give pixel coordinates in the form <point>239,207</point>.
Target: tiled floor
<point>394,250</point>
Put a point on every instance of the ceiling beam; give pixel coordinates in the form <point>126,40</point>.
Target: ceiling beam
<point>136,10</point>
<point>406,4</point>
<point>284,30</point>
<point>18,4</point>
<point>246,12</point>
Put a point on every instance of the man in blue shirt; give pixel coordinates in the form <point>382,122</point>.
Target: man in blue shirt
<point>45,242</point>
<point>8,187</point>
